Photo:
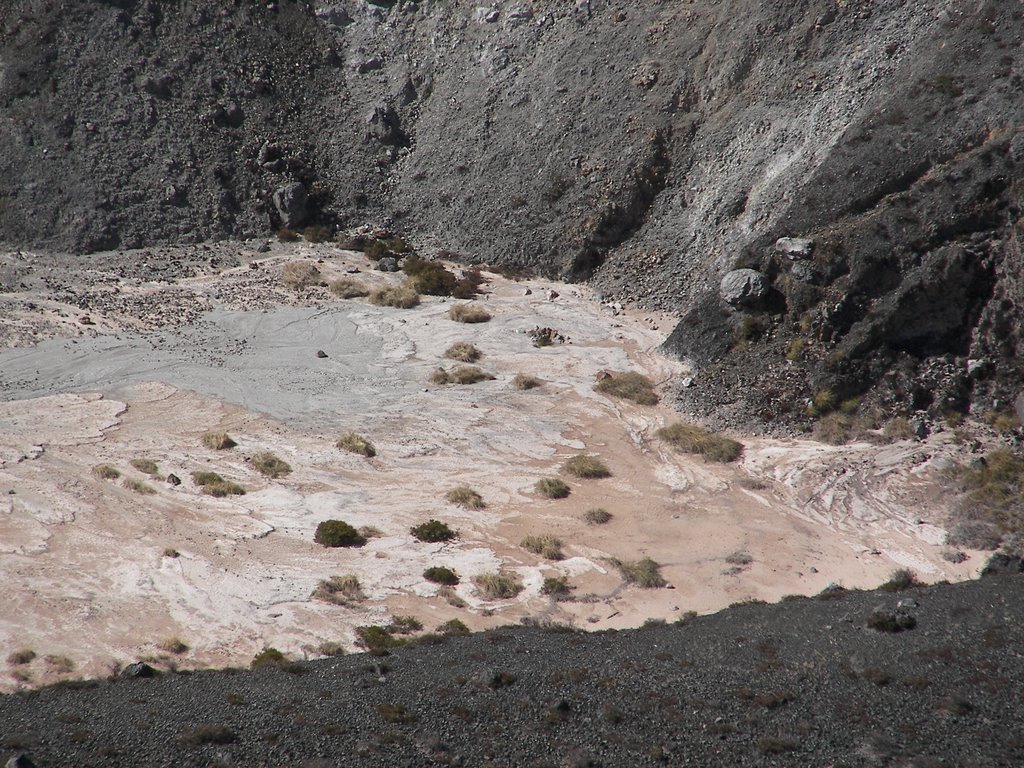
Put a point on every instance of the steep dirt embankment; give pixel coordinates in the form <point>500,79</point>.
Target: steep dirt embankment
<point>650,147</point>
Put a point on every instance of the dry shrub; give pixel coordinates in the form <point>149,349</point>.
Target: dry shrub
<point>586,466</point>
<point>469,313</point>
<point>462,374</point>
<point>547,546</point>
<point>22,656</point>
<point>631,386</point>
<point>465,497</point>
<point>218,441</point>
<point>106,472</point>
<point>643,573</point>
<point>138,486</point>
<point>347,288</point>
<point>353,442</point>
<point>898,429</point>
<point>220,489</point>
<point>173,645</point>
<point>269,465</point>
<point>597,516</point>
<point>992,500</point>
<point>498,586</point>
<point>462,351</point>
<point>834,429</point>
<point>340,590</point>
<point>689,438</point>
<point>400,296</point>
<point>300,274</point>
<point>524,381</point>
<point>552,488</point>
<point>147,466</point>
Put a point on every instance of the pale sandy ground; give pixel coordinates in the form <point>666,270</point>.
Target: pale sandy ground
<point>84,575</point>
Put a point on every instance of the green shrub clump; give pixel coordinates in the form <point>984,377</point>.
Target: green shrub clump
<point>148,466</point>
<point>337,533</point>
<point>552,488</point>
<point>631,386</point>
<point>643,573</point>
<point>465,497</point>
<point>377,640</point>
<point>498,586</point>
<point>585,466</point>
<point>269,465</point>
<point>689,438</point>
<point>438,574</point>
<point>597,516</point>
<point>547,546</point>
<point>269,657</point>
<point>356,443</point>
<point>433,531</point>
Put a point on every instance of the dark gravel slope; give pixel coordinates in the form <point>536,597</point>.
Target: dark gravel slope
<point>804,682</point>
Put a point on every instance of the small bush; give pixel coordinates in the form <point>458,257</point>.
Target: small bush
<point>469,313</point>
<point>138,486</point>
<point>794,349</point>
<point>556,587</point>
<point>523,381</point>
<point>448,593</point>
<point>462,351</point>
<point>395,713</point>
<point>223,488</point>
<point>834,429</point>
<point>377,640</point>
<point>552,488</point>
<point>404,625</point>
<point>337,533</point>
<point>269,465</point>
<point>438,574</point>
<point>316,234</point>
<point>631,386</point>
<point>148,466</point>
<point>739,559</point>
<point>899,580</point>
<point>218,441</point>
<point>643,573</point>
<point>433,531</point>
<point>286,235</point>
<point>347,288</point>
<point>498,586</point>
<point>356,443</point>
<point>268,657</point>
<point>898,429</point>
<point>172,553</point>
<point>332,649</point>
<point>106,472</point>
<point>547,546</point>
<point>173,645</point>
<point>207,734</point>
<point>465,497</point>
<point>401,297</point>
<point>462,374</point>
<point>22,656</point>
<point>777,745</point>
<point>429,277</point>
<point>689,438</point>
<point>300,274</point>
<point>823,401</point>
<point>454,628</point>
<point>340,590</point>
<point>597,516</point>
<point>369,532</point>
<point>586,467</point>
<point>206,478</point>
<point>62,665</point>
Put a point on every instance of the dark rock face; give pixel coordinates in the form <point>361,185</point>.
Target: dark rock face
<point>650,148</point>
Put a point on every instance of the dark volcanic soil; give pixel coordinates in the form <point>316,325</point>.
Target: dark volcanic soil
<point>805,682</point>
<point>649,147</point>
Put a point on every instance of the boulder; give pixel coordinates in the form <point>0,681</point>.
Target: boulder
<point>291,201</point>
<point>20,761</point>
<point>795,247</point>
<point>387,264</point>
<point>138,670</point>
<point>383,125</point>
<point>744,288</point>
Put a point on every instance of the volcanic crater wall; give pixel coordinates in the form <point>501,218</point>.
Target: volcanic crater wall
<point>648,147</point>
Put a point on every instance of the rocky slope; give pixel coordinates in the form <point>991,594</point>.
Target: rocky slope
<point>650,147</point>
<point>806,682</point>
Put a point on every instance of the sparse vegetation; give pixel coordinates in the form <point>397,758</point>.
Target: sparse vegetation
<point>214,485</point>
<point>453,628</point>
<point>900,579</point>
<point>300,274</point>
<point>794,349</point>
<point>631,386</point>
<point>207,734</point>
<point>377,640</point>
<point>497,586</point>
<point>897,429</point>
<point>404,625</point>
<point>552,488</point>
<point>347,288</point>
<point>438,574</point>
<point>739,559</point>
<point>429,277</point>
<point>433,531</point>
<point>395,713</point>
<point>834,428</point>
<point>597,516</point>
<point>469,313</point>
<point>524,381</point>
<point>340,590</point>
<point>316,234</point>
<point>173,645</point>
<point>106,472</point>
<point>823,401</point>
<point>353,442</point>
<point>333,649</point>
<point>556,587</point>
<point>586,466</point>
<point>465,497</point>
<point>171,552</point>
<point>21,656</point>
<point>337,533</point>
<point>146,466</point>
<point>61,665</point>
<point>138,486</point>
<point>887,621</point>
<point>992,501</point>
<point>268,657</point>
<point>218,441</point>
<point>463,351</point>
<point>402,296</point>
<point>643,573</point>
<point>269,465</point>
<point>690,438</point>
<point>547,546</point>
<point>286,235</point>
<point>462,374</point>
